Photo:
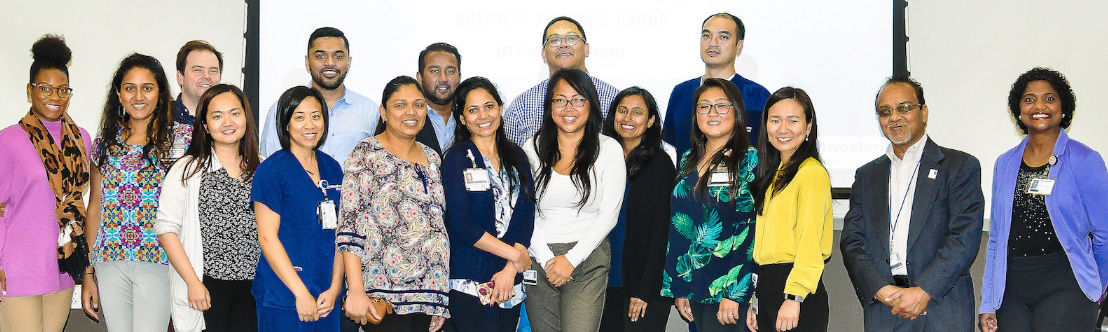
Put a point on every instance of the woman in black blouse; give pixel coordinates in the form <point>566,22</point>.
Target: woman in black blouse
<point>639,239</point>
<point>205,221</point>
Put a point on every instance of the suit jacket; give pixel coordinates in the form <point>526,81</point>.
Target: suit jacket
<point>943,238</point>
<point>427,136</point>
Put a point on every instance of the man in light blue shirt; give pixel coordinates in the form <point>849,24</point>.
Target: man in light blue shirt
<point>353,116</point>
<point>440,70</point>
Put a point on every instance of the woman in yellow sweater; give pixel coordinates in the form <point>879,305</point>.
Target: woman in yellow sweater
<point>793,231</point>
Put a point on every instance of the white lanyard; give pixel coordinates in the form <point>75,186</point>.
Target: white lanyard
<point>904,199</point>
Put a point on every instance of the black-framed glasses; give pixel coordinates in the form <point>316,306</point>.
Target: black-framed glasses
<point>721,108</point>
<point>46,90</point>
<point>561,103</point>
<point>570,40</point>
<point>902,109</point>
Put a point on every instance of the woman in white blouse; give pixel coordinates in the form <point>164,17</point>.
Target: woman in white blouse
<point>580,179</point>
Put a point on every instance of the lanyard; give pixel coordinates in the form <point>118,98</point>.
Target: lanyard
<point>904,199</point>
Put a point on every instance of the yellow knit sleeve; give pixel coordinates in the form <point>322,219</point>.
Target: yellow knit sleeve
<point>813,232</point>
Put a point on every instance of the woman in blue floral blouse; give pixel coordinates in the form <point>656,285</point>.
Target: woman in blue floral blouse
<point>708,264</point>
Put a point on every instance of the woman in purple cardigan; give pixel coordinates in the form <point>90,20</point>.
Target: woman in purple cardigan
<point>1047,260</point>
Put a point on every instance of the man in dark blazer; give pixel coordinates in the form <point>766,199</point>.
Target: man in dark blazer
<point>440,71</point>
<point>914,224</point>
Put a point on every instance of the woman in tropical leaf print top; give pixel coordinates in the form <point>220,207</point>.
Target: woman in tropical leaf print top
<point>708,263</point>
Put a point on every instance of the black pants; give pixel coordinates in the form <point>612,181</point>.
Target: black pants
<point>467,314</point>
<point>1041,294</point>
<point>616,305</point>
<point>705,320</point>
<point>232,306</point>
<point>771,294</point>
<point>399,323</point>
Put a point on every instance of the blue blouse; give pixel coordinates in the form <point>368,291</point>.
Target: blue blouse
<point>281,183</point>
<point>469,215</point>
<point>711,244</point>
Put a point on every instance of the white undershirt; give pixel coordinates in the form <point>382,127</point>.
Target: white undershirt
<point>902,192</point>
<point>558,220</point>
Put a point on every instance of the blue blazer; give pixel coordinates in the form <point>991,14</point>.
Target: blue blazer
<point>1077,208</point>
<point>943,237</point>
<point>469,215</point>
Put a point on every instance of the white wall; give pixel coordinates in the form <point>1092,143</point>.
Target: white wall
<point>967,54</point>
<point>101,33</point>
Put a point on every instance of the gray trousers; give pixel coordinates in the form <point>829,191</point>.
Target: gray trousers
<point>579,304</point>
<point>134,295</point>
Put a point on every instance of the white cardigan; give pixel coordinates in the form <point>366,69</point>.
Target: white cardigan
<point>178,213</point>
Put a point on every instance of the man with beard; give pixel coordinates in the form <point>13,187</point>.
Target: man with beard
<point>721,41</point>
<point>564,46</point>
<point>353,117</point>
<point>440,70</point>
<point>914,224</point>
<point>199,66</point>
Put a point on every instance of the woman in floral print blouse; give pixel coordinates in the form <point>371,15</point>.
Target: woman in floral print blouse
<point>708,264</point>
<point>391,230</point>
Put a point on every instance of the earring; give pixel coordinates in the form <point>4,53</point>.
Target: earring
<point>122,113</point>
<point>805,138</point>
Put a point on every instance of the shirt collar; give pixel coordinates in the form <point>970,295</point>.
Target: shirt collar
<point>912,155</point>
<point>432,112</point>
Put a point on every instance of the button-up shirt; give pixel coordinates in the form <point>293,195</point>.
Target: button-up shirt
<point>902,184</point>
<point>181,113</point>
<point>444,128</point>
<point>353,119</point>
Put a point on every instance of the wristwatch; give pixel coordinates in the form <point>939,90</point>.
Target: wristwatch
<point>797,298</point>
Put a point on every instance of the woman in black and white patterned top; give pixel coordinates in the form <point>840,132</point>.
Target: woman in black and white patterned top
<point>205,221</point>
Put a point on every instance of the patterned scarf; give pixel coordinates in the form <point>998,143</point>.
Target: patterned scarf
<point>67,169</point>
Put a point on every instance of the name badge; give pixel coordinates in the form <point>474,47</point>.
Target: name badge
<point>1041,186</point>
<point>327,214</point>
<point>476,179</point>
<point>719,178</point>
<point>178,149</point>
<point>896,261</point>
<point>530,278</point>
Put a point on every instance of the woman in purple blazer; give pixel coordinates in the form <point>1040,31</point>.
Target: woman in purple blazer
<point>1047,260</point>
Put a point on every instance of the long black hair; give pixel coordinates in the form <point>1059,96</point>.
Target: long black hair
<point>769,157</point>
<point>201,148</point>
<point>511,155</point>
<point>651,140</point>
<point>159,132</point>
<point>733,152</point>
<point>546,140</point>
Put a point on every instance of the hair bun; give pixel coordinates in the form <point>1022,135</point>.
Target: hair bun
<point>51,48</point>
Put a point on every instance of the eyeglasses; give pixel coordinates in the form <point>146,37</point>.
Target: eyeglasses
<point>721,109</point>
<point>902,109</point>
<point>47,90</point>
<point>561,103</point>
<point>570,40</point>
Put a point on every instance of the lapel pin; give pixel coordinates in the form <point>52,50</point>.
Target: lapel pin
<point>932,174</point>
<point>1053,160</point>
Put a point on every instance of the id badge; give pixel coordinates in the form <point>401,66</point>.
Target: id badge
<point>178,149</point>
<point>1041,186</point>
<point>530,278</point>
<point>325,211</point>
<point>476,179</point>
<point>896,261</point>
<point>718,179</point>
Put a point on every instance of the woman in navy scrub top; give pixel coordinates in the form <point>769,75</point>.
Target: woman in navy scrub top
<point>300,279</point>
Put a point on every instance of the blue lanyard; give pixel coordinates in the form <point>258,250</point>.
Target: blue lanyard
<point>902,201</point>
